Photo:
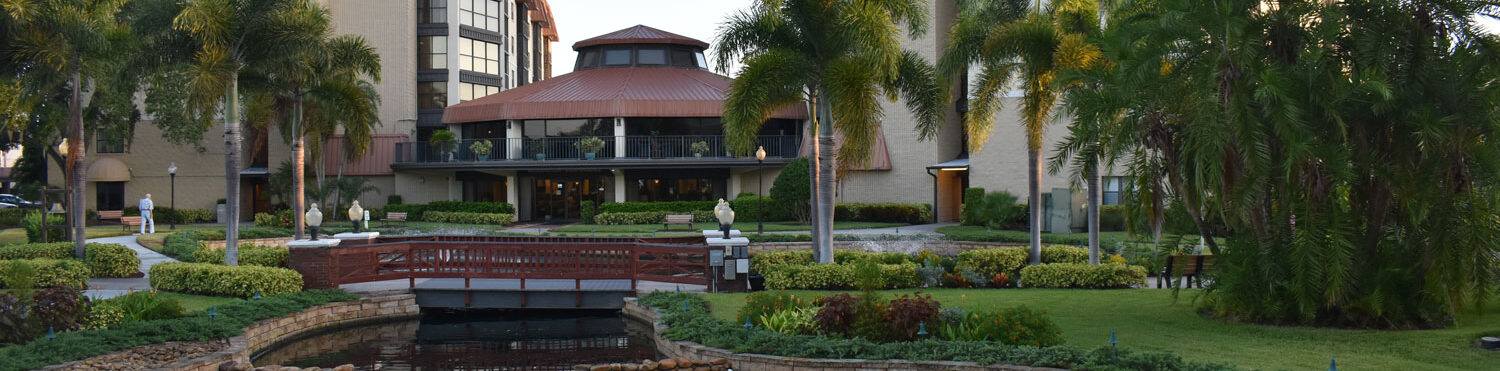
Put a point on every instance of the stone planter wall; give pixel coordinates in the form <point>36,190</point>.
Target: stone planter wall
<point>263,242</point>
<point>692,350</point>
<point>940,247</point>
<point>269,332</point>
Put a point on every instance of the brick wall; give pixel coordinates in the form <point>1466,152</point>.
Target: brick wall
<point>312,263</point>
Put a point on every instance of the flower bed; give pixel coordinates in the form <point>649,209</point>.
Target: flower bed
<point>986,267</point>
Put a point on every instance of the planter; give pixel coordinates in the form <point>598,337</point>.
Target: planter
<point>588,156</point>
<point>541,156</point>
<point>699,155</point>
<point>484,157</point>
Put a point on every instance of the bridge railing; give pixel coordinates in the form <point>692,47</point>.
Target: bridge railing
<point>519,257</point>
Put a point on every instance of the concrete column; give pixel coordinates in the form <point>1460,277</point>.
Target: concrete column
<point>512,195</point>
<point>734,184</point>
<point>513,139</point>
<point>620,186</point>
<point>619,138</point>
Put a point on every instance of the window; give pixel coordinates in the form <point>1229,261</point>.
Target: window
<point>109,144</point>
<point>109,195</point>
<point>432,95</point>
<point>432,11</point>
<point>1113,185</point>
<point>679,189</point>
<point>617,57</point>
<point>568,128</point>
<point>589,59</point>
<point>432,52</point>
<point>468,92</point>
<point>651,56</point>
<point>698,56</point>
<point>481,14</point>
<point>682,57</point>
<point>479,56</point>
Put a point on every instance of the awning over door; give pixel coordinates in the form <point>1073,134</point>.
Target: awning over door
<point>952,165</point>
<point>108,170</point>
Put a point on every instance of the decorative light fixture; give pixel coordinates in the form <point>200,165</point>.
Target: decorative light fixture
<point>760,196</point>
<point>172,171</point>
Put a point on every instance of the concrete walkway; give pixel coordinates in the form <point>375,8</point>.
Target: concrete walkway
<point>104,288</point>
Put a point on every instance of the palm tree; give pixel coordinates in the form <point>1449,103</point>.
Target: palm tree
<point>64,43</point>
<point>1013,43</point>
<point>324,80</point>
<point>231,37</point>
<point>838,57</point>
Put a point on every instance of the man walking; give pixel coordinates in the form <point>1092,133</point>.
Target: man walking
<point>146,206</point>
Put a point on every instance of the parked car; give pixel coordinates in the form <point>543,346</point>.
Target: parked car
<point>4,205</point>
<point>15,201</point>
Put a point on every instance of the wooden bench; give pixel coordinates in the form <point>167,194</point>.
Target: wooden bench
<point>677,219</point>
<point>127,222</point>
<point>110,215</point>
<point>395,217</point>
<point>1191,267</point>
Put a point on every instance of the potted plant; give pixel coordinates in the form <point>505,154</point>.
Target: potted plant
<point>539,148</point>
<point>443,141</point>
<point>589,146</point>
<point>482,149</point>
<point>700,148</point>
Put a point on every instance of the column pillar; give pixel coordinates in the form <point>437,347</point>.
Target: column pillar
<point>734,184</point>
<point>619,139</point>
<point>513,140</point>
<point>620,185</point>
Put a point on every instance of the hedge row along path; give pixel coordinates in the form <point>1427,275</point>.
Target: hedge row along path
<point>104,288</point>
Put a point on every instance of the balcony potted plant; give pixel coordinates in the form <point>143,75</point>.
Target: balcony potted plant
<point>539,147</point>
<point>589,146</point>
<point>700,148</point>
<point>482,149</point>
<point>443,141</point>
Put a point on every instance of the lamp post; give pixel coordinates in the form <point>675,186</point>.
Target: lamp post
<point>760,199</point>
<point>172,171</point>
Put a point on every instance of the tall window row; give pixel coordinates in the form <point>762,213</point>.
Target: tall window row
<point>468,92</point>
<point>479,56</point>
<point>432,11</point>
<point>432,52</point>
<point>432,94</point>
<point>481,14</point>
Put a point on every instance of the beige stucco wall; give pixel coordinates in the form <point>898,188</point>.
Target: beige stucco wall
<point>390,27</point>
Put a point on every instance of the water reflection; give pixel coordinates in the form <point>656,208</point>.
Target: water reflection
<point>473,340</point>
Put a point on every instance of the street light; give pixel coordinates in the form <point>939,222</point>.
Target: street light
<point>172,171</point>
<point>760,199</point>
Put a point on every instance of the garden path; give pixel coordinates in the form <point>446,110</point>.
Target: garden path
<point>104,288</point>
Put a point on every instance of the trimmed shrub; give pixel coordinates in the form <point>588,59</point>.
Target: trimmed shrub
<point>182,245</point>
<point>667,206</point>
<point>392,200</point>
<point>1111,218</point>
<point>224,280</point>
<point>102,259</point>
<point>1066,275</point>
<point>887,212</point>
<point>1065,254</point>
<point>413,211</point>
<point>167,215</point>
<point>762,261</point>
<point>276,219</point>
<point>989,262</point>
<point>140,306</point>
<point>973,204</point>
<point>835,276</point>
<point>472,207</point>
<point>65,273</point>
<point>11,218</point>
<point>746,208</point>
<point>587,209</point>
<point>651,217</point>
<point>467,217</point>
<point>792,190</point>
<point>33,224</point>
<point>250,254</point>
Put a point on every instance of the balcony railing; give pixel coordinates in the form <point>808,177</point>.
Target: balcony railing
<point>573,148</point>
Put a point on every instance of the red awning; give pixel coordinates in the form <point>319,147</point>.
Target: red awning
<point>880,157</point>
<point>609,92</point>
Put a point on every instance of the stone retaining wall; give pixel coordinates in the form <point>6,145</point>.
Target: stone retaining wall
<point>940,247</point>
<point>263,242</point>
<point>266,333</point>
<point>692,350</point>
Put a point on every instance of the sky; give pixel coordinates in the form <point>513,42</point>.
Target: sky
<point>582,19</point>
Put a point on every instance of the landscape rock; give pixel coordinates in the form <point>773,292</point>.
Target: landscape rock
<point>151,356</point>
<point>344,367</point>
<point>234,366</point>
<point>667,364</point>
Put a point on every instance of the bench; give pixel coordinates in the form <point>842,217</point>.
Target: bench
<point>110,215</point>
<point>677,219</point>
<point>1191,267</point>
<point>126,222</point>
<point>395,217</point>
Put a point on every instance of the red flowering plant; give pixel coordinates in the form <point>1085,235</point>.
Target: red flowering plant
<point>907,314</point>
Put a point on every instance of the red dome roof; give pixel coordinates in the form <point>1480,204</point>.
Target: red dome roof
<point>640,34</point>
<point>609,92</point>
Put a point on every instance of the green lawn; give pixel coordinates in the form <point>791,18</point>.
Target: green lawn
<point>18,235</point>
<point>1147,319</point>
<point>742,226</point>
<point>194,303</point>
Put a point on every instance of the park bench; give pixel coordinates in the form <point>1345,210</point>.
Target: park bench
<point>1190,267</point>
<point>130,222</point>
<point>391,217</point>
<point>110,215</point>
<point>677,219</point>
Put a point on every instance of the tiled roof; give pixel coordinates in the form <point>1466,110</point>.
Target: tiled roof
<point>609,92</point>
<point>640,34</point>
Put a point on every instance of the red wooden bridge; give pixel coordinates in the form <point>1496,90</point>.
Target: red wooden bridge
<point>510,271</point>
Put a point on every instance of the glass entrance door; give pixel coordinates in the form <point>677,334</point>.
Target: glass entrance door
<point>559,198</point>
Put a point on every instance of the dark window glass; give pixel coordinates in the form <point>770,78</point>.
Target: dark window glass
<point>674,189</point>
<point>109,195</point>
<point>674,126</point>
<point>590,59</point>
<point>568,128</point>
<point>682,58</point>
<point>432,95</point>
<point>432,11</point>
<point>651,56</point>
<point>432,52</point>
<point>1113,186</point>
<point>109,144</point>
<point>617,57</point>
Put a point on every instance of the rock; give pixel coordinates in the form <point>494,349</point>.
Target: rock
<point>290,368</point>
<point>344,367</point>
<point>703,368</point>
<point>269,368</point>
<point>719,368</point>
<point>234,366</point>
<point>719,361</point>
<point>667,364</point>
<point>648,365</point>
<point>683,362</point>
<point>599,368</point>
<point>630,367</point>
<point>313,369</point>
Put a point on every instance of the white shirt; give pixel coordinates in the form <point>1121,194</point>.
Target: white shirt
<point>146,204</point>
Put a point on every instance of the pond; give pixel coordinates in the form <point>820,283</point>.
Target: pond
<point>473,339</point>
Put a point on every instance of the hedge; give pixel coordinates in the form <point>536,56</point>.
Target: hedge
<point>958,233</point>
<point>667,206</point>
<point>418,211</point>
<point>230,319</point>
<point>1083,276</point>
<point>11,217</point>
<point>883,212</point>
<point>467,218</point>
<point>224,280</point>
<point>56,229</point>
<point>167,215</point>
<point>102,259</point>
<point>652,217</point>
<point>52,272</point>
<point>835,276</point>
<point>989,262</point>
<point>250,254</point>
<point>745,209</point>
<point>972,207</point>
<point>182,245</point>
<point>1065,254</point>
<point>694,323</point>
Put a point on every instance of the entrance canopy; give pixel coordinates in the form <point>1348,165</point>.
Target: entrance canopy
<point>951,165</point>
<point>108,170</point>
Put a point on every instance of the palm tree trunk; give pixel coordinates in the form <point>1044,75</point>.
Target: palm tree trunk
<point>812,181</point>
<point>1095,194</point>
<point>298,163</point>
<point>825,172</point>
<point>1034,163</point>
<point>232,171</point>
<point>75,159</point>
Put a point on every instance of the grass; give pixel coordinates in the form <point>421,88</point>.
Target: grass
<point>742,226</point>
<point>1148,319</point>
<point>10,236</point>
<point>194,303</point>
